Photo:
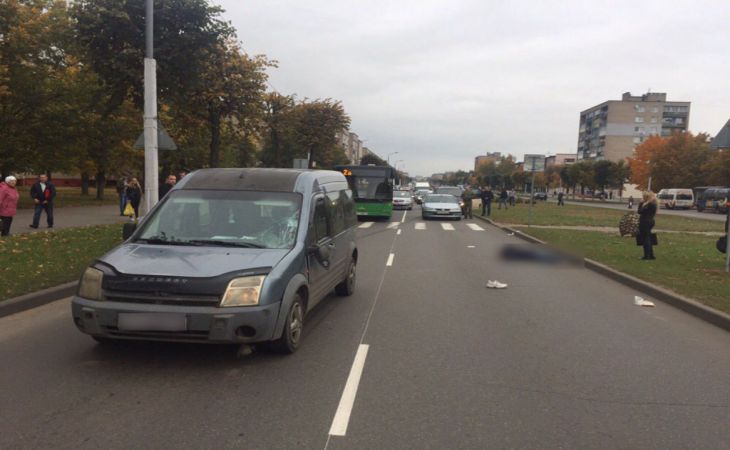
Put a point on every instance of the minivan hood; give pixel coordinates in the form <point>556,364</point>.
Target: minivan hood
<point>183,261</point>
<point>441,205</point>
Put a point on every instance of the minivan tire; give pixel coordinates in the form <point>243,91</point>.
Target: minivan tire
<point>347,287</point>
<point>291,337</point>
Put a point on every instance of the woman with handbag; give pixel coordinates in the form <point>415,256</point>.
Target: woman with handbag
<point>647,210</point>
<point>134,196</point>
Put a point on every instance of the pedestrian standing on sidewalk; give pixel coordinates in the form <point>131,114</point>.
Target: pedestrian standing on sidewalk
<point>134,195</point>
<point>165,188</point>
<point>502,199</point>
<point>8,204</point>
<point>466,197</point>
<point>561,200</point>
<point>122,192</point>
<point>43,193</point>
<point>631,202</point>
<point>647,211</point>
<point>487,197</point>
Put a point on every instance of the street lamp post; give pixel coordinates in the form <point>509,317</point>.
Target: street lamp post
<point>388,157</point>
<point>151,162</point>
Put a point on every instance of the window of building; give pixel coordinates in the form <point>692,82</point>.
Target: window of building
<point>640,108</point>
<point>654,109</point>
<point>639,119</point>
<point>653,130</point>
<point>653,120</point>
<point>637,139</point>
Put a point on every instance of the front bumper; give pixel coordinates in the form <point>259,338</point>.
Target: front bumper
<point>402,205</point>
<point>203,324</point>
<point>441,214</point>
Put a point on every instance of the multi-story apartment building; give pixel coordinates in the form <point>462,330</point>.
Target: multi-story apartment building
<point>612,129</point>
<point>560,159</point>
<point>483,159</point>
<point>351,144</point>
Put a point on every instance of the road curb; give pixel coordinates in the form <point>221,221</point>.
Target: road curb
<point>35,299</point>
<point>686,304</point>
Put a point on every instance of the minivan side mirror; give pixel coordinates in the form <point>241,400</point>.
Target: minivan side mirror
<point>321,251</point>
<point>128,230</point>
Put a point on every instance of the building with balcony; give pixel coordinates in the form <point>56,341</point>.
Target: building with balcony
<point>351,144</point>
<point>613,128</point>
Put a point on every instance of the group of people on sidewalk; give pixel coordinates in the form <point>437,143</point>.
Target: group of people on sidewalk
<point>130,192</point>
<point>43,193</point>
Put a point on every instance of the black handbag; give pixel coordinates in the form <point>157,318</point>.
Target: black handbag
<point>640,239</point>
<point>721,244</point>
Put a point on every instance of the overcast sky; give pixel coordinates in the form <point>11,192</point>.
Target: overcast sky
<point>443,81</point>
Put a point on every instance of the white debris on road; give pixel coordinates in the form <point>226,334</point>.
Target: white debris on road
<point>639,301</point>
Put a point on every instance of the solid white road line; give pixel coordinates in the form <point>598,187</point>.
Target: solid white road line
<point>399,230</point>
<point>447,226</point>
<point>366,224</point>
<point>403,220</point>
<point>390,260</point>
<point>420,225</point>
<point>474,227</point>
<point>342,416</point>
<point>393,224</point>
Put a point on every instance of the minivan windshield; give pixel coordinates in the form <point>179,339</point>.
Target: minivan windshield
<point>225,218</point>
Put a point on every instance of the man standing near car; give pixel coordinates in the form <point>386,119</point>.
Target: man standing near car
<point>487,197</point>
<point>43,192</point>
<point>466,197</point>
<point>502,199</point>
<point>165,188</point>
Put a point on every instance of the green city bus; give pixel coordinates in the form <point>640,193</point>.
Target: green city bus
<point>372,188</point>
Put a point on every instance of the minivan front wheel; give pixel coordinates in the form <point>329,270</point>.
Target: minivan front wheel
<point>347,287</point>
<point>292,334</point>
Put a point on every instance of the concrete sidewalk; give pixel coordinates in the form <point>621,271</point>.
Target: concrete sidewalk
<point>69,217</point>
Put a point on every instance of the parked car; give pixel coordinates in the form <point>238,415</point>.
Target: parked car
<point>228,256</point>
<point>540,196</point>
<point>441,206</point>
<point>675,198</point>
<point>714,199</point>
<point>402,200</point>
<point>451,190</point>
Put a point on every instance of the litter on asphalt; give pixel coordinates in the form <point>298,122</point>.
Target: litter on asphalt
<point>639,301</point>
<point>494,284</point>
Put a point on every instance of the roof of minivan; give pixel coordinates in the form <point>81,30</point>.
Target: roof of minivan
<point>244,179</point>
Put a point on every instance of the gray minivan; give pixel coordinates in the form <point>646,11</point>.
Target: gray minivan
<point>228,256</point>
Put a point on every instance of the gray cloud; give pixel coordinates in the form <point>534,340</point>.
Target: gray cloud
<point>443,81</point>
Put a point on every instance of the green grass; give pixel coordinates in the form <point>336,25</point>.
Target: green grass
<point>687,264</point>
<point>575,215</point>
<point>70,196</point>
<point>31,262</point>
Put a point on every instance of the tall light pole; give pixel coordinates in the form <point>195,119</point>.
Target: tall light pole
<point>648,187</point>
<point>389,155</point>
<point>150,113</point>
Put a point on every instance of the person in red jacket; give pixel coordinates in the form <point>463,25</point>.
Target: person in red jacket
<point>8,204</point>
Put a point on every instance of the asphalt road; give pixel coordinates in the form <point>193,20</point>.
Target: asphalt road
<point>560,359</point>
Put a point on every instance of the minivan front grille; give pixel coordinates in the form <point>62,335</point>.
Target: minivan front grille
<point>161,298</point>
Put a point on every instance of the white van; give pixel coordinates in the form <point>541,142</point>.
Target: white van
<point>676,198</point>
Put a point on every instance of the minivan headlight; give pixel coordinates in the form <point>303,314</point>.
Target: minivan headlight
<point>90,285</point>
<point>243,291</point>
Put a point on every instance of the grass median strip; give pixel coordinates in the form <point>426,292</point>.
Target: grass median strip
<point>31,262</point>
<point>687,264</point>
<point>576,215</point>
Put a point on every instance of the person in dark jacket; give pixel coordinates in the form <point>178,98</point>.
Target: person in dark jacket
<point>561,199</point>
<point>647,210</point>
<point>466,198</point>
<point>169,183</point>
<point>43,192</point>
<point>502,199</point>
<point>134,195</point>
<point>487,197</point>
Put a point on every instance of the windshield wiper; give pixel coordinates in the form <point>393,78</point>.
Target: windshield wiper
<point>226,243</point>
<point>159,241</point>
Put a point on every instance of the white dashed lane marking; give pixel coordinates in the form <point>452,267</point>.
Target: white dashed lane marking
<point>420,226</point>
<point>393,224</point>
<point>342,416</point>
<point>447,227</point>
<point>366,224</point>
<point>474,227</point>
<point>390,260</point>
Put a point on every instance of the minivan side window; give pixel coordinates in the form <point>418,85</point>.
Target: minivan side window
<point>349,208</point>
<point>336,212</point>
<point>321,227</point>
